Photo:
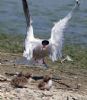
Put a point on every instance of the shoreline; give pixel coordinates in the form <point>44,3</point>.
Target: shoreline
<point>71,77</point>
<point>71,73</point>
<point>15,44</point>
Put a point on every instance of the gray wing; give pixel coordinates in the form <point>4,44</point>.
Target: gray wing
<point>26,12</point>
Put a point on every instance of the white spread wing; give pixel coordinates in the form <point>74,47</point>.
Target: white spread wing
<point>57,33</point>
<point>56,39</point>
<point>30,41</point>
<point>30,44</point>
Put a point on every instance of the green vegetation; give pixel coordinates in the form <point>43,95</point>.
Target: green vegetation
<point>11,43</point>
<point>14,44</point>
<point>78,53</point>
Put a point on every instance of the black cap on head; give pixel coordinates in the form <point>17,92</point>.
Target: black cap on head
<point>45,42</point>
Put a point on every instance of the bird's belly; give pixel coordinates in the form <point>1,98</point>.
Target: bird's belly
<point>39,53</point>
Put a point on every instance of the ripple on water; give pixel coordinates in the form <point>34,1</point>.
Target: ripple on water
<point>44,13</point>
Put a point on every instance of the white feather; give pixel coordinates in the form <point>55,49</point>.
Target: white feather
<point>30,43</point>
<point>56,39</point>
<point>50,83</point>
<point>68,58</point>
<point>55,42</point>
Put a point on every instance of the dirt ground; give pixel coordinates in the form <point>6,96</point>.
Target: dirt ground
<point>68,84</point>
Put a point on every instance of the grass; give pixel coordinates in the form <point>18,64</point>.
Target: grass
<point>78,53</point>
<point>11,43</point>
<point>14,44</point>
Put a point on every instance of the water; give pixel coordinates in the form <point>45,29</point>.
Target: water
<point>44,13</point>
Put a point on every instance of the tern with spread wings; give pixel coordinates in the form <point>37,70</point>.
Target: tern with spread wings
<point>37,49</point>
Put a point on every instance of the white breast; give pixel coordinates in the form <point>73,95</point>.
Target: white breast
<point>50,83</point>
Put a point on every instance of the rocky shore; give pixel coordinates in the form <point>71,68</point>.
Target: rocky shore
<point>72,83</point>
